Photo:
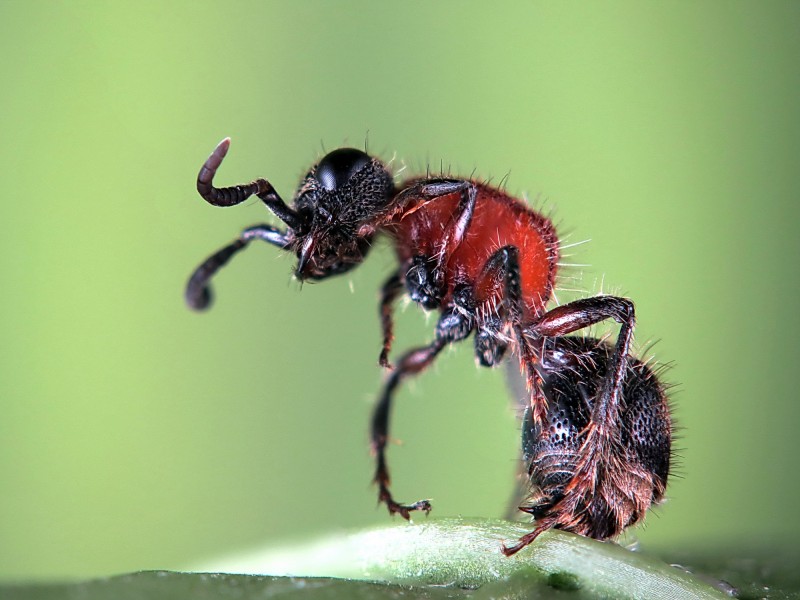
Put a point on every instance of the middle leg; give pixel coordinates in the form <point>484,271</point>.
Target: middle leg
<point>501,305</point>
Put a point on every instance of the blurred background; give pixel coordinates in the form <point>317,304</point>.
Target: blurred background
<point>136,434</point>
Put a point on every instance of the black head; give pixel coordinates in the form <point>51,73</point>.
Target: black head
<point>339,206</point>
<point>336,168</point>
<point>344,191</point>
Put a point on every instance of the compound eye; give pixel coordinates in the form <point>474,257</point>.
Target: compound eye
<point>337,167</point>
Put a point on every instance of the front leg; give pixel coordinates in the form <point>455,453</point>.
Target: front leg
<point>390,290</point>
<point>456,229</point>
<point>419,276</point>
<point>412,363</point>
<point>428,273</point>
<point>420,280</point>
<point>455,323</point>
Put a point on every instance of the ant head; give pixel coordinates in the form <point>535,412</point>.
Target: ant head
<point>342,192</point>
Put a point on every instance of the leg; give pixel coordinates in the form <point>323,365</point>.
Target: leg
<point>526,539</point>
<point>455,230</point>
<point>391,289</point>
<point>412,363</point>
<point>600,454</point>
<point>520,493</point>
<point>454,325</point>
<point>583,313</point>
<point>457,320</point>
<point>237,194</point>
<point>501,273</point>
<point>420,280</point>
<point>198,294</point>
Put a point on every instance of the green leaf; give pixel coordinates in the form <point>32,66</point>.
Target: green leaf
<point>448,558</point>
<point>466,554</point>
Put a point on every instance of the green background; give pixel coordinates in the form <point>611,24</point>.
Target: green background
<point>135,434</point>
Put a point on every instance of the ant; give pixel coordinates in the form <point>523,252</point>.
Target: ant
<point>596,432</point>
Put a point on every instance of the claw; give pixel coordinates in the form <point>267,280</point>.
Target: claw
<point>404,510</point>
<point>383,361</point>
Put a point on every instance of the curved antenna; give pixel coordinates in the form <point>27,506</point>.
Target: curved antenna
<point>198,292</point>
<point>231,196</point>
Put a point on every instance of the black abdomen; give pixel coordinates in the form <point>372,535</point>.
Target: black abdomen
<point>573,371</point>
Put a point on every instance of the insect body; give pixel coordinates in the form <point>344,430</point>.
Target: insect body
<point>487,263</point>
